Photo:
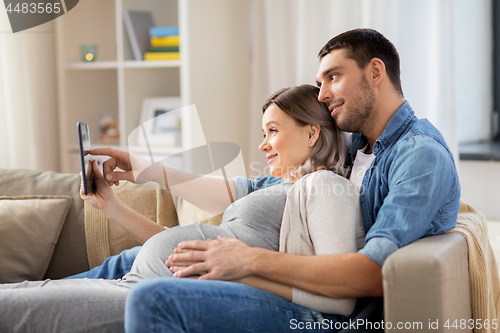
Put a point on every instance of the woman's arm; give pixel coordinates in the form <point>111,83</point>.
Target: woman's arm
<point>105,199</point>
<point>140,227</point>
<point>211,194</point>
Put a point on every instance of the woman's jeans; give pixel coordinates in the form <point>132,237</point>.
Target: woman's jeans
<point>187,305</point>
<point>114,267</point>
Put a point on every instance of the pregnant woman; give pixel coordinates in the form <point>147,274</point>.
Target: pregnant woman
<point>303,146</point>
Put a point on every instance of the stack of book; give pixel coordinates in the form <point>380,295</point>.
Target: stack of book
<point>164,44</point>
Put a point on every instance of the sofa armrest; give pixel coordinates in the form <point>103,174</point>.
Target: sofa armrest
<point>428,281</point>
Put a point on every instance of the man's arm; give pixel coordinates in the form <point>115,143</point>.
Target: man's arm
<point>326,223</point>
<point>264,284</point>
<point>339,275</point>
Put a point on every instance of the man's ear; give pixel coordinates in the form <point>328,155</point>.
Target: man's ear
<point>313,134</point>
<point>377,71</point>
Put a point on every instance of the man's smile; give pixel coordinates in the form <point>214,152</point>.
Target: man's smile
<point>334,108</point>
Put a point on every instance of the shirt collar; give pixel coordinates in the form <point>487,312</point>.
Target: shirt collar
<point>395,128</point>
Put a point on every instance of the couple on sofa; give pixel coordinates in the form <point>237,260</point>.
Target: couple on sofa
<point>331,246</point>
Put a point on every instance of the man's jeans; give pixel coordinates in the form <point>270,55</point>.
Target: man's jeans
<point>186,305</point>
<point>114,267</point>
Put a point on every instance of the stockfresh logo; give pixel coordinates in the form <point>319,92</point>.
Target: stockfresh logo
<point>24,15</point>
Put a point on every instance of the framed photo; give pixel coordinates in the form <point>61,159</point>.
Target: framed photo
<point>161,122</point>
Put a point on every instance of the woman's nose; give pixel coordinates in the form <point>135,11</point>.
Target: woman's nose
<point>264,146</point>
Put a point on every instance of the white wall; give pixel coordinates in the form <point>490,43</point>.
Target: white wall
<point>480,183</point>
<point>28,97</point>
<point>219,80</point>
<point>473,62</point>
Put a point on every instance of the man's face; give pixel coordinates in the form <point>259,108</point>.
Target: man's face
<point>345,89</point>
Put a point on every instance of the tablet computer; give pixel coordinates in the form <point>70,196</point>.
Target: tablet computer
<point>86,158</point>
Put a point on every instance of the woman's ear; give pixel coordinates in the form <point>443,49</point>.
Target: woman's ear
<point>313,134</point>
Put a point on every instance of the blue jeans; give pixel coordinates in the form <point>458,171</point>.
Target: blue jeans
<point>114,267</point>
<point>185,305</point>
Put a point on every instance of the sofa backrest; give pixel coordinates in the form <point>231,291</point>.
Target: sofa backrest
<point>70,253</point>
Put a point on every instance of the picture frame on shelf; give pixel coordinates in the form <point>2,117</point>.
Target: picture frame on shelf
<point>160,123</point>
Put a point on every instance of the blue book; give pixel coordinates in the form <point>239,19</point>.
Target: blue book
<point>163,31</point>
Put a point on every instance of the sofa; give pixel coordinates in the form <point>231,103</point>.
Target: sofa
<point>425,283</point>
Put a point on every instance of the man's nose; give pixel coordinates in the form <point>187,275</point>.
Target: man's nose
<point>324,94</point>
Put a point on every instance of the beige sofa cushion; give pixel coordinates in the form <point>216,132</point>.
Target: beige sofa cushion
<point>29,229</point>
<point>70,253</point>
<point>189,213</point>
<point>105,238</point>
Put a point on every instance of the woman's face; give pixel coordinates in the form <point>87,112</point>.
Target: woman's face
<point>286,144</point>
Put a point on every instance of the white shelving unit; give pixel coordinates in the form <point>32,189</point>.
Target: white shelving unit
<point>211,73</point>
<point>114,84</point>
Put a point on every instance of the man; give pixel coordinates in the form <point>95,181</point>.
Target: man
<point>409,189</point>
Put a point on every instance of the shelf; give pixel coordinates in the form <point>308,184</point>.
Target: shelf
<point>151,64</point>
<point>92,65</point>
<point>125,64</point>
<point>481,151</point>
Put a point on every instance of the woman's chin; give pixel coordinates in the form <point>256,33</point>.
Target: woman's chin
<point>276,173</point>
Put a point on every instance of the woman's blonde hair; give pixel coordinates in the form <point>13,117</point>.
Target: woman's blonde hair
<point>330,150</point>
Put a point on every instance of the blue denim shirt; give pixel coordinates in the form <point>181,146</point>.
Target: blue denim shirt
<point>411,190</point>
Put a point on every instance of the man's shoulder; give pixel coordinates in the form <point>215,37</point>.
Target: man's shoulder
<point>423,136</point>
<point>425,128</point>
<point>421,149</point>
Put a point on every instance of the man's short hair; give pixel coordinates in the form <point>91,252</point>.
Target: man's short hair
<point>362,45</point>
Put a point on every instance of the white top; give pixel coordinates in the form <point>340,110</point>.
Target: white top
<point>360,166</point>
